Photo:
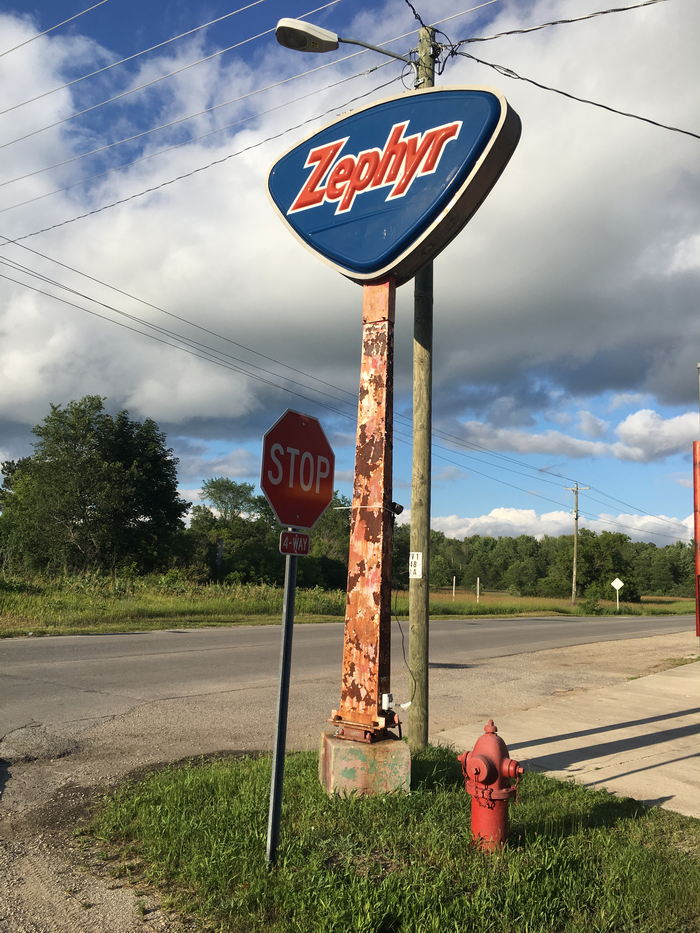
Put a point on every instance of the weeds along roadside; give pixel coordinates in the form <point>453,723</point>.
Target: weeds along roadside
<point>97,603</point>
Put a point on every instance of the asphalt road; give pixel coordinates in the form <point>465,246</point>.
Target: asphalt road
<point>67,679</point>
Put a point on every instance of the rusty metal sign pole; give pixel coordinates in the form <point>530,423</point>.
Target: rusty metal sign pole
<point>364,714</point>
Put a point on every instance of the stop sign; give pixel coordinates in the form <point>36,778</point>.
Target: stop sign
<point>297,470</point>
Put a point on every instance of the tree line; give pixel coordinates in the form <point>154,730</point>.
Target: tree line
<point>99,494</point>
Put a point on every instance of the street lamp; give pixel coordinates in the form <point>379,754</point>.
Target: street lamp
<point>299,36</point>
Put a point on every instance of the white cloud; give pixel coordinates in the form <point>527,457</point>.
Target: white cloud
<point>239,464</point>
<point>508,522</point>
<point>566,273</point>
<point>547,442</point>
<point>590,424</point>
<point>626,399</point>
<point>449,474</point>
<point>644,436</point>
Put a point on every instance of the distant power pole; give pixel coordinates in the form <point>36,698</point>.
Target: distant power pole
<point>575,489</point>
<point>418,587</point>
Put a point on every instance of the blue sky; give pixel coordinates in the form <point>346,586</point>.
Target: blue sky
<point>566,325</point>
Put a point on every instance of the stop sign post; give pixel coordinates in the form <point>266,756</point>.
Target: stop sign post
<point>297,479</point>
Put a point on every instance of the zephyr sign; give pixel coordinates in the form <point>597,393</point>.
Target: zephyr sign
<point>381,191</point>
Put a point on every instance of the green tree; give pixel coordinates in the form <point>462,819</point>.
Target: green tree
<point>229,498</point>
<point>99,492</point>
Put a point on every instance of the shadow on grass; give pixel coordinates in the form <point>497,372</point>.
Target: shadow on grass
<point>436,767</point>
<point>560,821</point>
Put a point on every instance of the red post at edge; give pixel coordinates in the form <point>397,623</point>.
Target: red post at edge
<point>696,512</point>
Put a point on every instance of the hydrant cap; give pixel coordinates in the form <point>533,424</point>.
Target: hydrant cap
<point>490,727</point>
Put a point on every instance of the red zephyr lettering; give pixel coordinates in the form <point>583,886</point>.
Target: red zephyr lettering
<point>361,178</point>
<point>397,164</point>
<point>430,149</point>
<point>339,177</point>
<point>312,194</point>
<point>393,156</point>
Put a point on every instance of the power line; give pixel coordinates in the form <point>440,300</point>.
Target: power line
<point>557,22</point>
<point>656,518</point>
<point>51,28</point>
<point>446,19</point>
<point>141,87</point>
<point>191,116</point>
<point>210,350</point>
<point>185,348</point>
<point>201,168</point>
<point>179,121</point>
<point>509,73</point>
<point>207,110</point>
<point>210,354</point>
<point>180,346</point>
<point>453,439</point>
<point>616,524</point>
<point>129,58</point>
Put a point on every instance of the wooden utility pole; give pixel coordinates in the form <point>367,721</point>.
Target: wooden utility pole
<point>575,489</point>
<point>418,587</point>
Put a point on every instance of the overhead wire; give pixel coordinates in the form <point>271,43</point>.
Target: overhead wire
<point>129,58</point>
<point>45,32</point>
<point>643,512</point>
<point>509,73</point>
<point>235,364</point>
<point>182,345</point>
<point>163,77</point>
<point>187,142</point>
<point>211,164</point>
<point>201,168</point>
<point>178,346</point>
<point>558,22</point>
<point>617,524</point>
<point>530,492</point>
<point>453,439</point>
<point>211,352</point>
<point>152,82</point>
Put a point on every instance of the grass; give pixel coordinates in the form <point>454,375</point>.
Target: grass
<point>94,604</point>
<point>578,860</point>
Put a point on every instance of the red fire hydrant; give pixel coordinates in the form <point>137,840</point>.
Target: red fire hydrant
<point>488,771</point>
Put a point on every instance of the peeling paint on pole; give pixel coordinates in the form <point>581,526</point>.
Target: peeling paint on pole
<point>366,652</point>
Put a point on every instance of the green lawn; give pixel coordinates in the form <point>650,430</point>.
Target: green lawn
<point>578,861</point>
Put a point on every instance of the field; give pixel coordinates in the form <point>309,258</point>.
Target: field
<point>94,604</point>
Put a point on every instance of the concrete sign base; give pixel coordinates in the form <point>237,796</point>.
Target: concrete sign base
<point>364,768</point>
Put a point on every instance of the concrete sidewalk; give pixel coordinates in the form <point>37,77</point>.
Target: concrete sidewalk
<point>637,739</point>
